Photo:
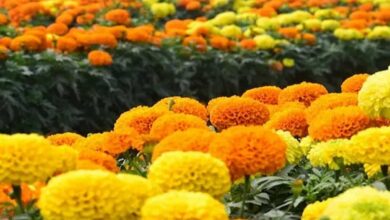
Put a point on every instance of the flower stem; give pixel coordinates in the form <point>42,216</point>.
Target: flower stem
<point>247,185</point>
<point>17,196</point>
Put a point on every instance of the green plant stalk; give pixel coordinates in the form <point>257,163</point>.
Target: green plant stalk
<point>247,185</point>
<point>17,195</point>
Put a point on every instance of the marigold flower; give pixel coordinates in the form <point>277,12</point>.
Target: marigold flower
<point>354,83</point>
<point>118,16</point>
<point>326,153</point>
<point>57,28</point>
<point>29,159</point>
<point>196,41</point>
<point>85,18</point>
<point>3,19</point>
<point>25,42</point>
<point>215,101</point>
<point>189,140</point>
<point>314,211</point>
<point>265,94</point>
<point>248,44</point>
<point>6,41</point>
<point>67,44</point>
<point>304,92</point>
<point>238,111</point>
<point>67,138</point>
<point>193,5</point>
<point>99,58</point>
<point>140,33</point>
<point>88,165</point>
<point>220,42</point>
<point>190,171</point>
<point>330,101</point>
<point>372,169</point>
<point>64,18</point>
<point>374,96</point>
<point>340,122</point>
<point>139,118</point>
<point>99,158</point>
<point>3,52</point>
<point>289,32</point>
<point>84,194</point>
<point>249,150</point>
<point>169,123</point>
<point>184,105</point>
<point>193,206</point>
<point>292,120</point>
<point>294,153</point>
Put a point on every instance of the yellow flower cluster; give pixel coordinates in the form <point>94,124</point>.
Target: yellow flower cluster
<point>191,171</point>
<point>326,153</point>
<point>294,153</point>
<point>91,195</point>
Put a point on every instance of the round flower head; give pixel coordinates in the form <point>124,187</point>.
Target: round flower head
<point>340,122</point>
<point>30,158</point>
<point>99,158</point>
<point>190,171</point>
<point>304,92</point>
<point>294,152</point>
<point>314,211</point>
<point>181,205</point>
<point>354,83</point>
<point>94,194</point>
<point>184,105</point>
<point>330,101</point>
<point>359,203</point>
<point>238,111</point>
<point>140,118</point>
<point>265,94</point>
<point>67,138</point>
<point>170,123</point>
<point>99,58</point>
<point>326,153</point>
<point>189,140</point>
<point>249,150</point>
<point>371,146</point>
<point>374,96</point>
<point>292,120</point>
<point>215,101</point>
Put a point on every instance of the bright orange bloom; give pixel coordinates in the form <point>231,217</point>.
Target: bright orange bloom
<point>67,44</point>
<point>265,94</point>
<point>118,16</point>
<point>238,111</point>
<point>309,38</point>
<point>85,19</point>
<point>289,32</point>
<point>354,83</point>
<point>64,18</point>
<point>193,5</point>
<point>304,92</point>
<point>183,105</point>
<point>99,58</point>
<point>6,41</point>
<point>196,41</point>
<point>26,42</point>
<point>3,19</point>
<point>358,24</point>
<point>57,28</point>
<point>67,138</point>
<point>291,119</point>
<point>140,34</point>
<point>248,44</point>
<point>99,158</point>
<point>220,42</point>
<point>249,150</point>
<point>340,122</point>
<point>356,15</point>
<point>3,52</point>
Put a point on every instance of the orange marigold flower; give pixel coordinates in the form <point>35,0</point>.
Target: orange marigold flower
<point>85,19</point>
<point>65,18</point>
<point>189,140</point>
<point>140,34</point>
<point>249,150</point>
<point>66,44</point>
<point>264,94</point>
<point>289,32</point>
<point>196,41</point>
<point>99,58</point>
<point>304,92</point>
<point>3,52</point>
<point>31,192</point>
<point>340,122</point>
<point>215,101</point>
<point>106,39</point>
<point>169,123</point>
<point>360,15</point>
<point>177,27</point>
<point>118,16</point>
<point>193,5</point>
<point>354,83</point>
<point>278,108</point>
<point>358,24</point>
<point>248,44</point>
<point>238,111</point>
<point>220,42</point>
<point>310,39</point>
<point>57,28</point>
<point>25,42</point>
<point>291,119</point>
<point>6,41</point>
<point>99,158</point>
<point>67,138</point>
<point>330,101</point>
<point>3,19</point>
<point>184,105</point>
<point>140,118</point>
<point>88,165</point>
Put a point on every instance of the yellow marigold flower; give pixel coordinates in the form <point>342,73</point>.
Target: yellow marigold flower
<point>167,124</point>
<point>374,95</point>
<point>184,105</point>
<point>292,120</point>
<point>67,138</point>
<point>99,158</point>
<point>340,122</point>
<point>30,158</point>
<point>265,42</point>
<point>306,144</point>
<point>189,140</point>
<point>66,158</point>
<point>190,171</point>
<point>265,94</point>
<point>314,211</point>
<point>140,118</point>
<point>238,111</point>
<point>249,150</point>
<point>326,153</point>
<point>359,203</point>
<point>348,34</point>
<point>371,146</point>
<point>294,152</point>
<point>161,10</point>
<point>372,169</point>
<point>181,205</point>
<point>304,92</point>
<point>354,83</point>
<point>231,31</point>
<point>84,195</point>
<point>330,101</point>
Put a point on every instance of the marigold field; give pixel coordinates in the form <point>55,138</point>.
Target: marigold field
<point>194,109</point>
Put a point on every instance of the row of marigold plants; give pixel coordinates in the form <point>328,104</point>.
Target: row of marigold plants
<point>192,154</point>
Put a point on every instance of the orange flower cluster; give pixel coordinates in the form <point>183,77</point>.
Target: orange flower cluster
<point>184,105</point>
<point>304,92</point>
<point>354,83</point>
<point>265,94</point>
<point>67,138</point>
<point>290,119</point>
